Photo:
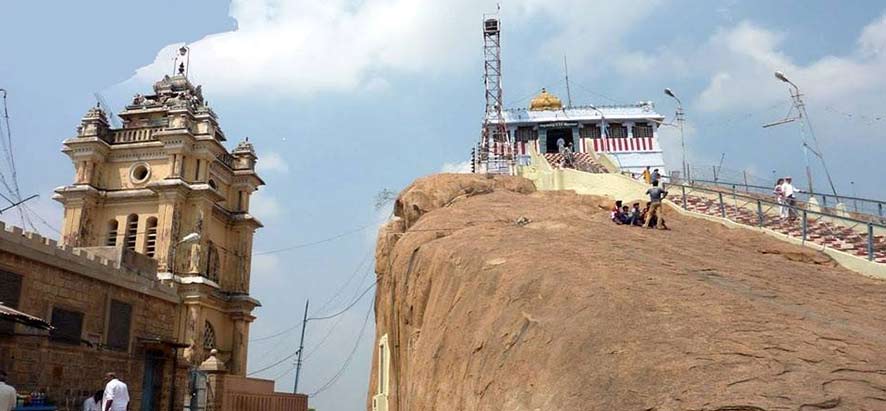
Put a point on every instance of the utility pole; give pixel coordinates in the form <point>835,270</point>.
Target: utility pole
<point>301,348</point>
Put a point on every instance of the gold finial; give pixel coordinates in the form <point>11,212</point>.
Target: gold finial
<point>545,101</point>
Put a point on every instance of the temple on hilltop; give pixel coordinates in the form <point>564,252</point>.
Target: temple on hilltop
<point>151,276</point>
<point>627,134</point>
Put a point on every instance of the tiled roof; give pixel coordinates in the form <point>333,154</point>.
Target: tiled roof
<point>10,314</point>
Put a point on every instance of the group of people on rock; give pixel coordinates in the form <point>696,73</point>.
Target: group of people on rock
<point>649,217</point>
<point>785,196</point>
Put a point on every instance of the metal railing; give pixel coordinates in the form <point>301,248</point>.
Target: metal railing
<point>745,207</point>
<point>865,209</point>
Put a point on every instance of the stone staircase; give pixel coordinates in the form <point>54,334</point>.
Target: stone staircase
<point>818,231</point>
<point>583,162</point>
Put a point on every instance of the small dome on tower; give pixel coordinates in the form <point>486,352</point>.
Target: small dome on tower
<point>545,101</point>
<point>244,147</point>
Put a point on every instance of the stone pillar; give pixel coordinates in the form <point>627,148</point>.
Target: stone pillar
<point>78,227</point>
<point>176,166</point>
<point>168,229</point>
<point>239,346</point>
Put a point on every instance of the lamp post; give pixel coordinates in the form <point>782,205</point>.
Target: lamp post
<point>680,118</point>
<point>602,120</point>
<point>192,237</point>
<point>805,124</point>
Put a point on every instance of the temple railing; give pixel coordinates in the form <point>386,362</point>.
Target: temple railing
<point>134,135</point>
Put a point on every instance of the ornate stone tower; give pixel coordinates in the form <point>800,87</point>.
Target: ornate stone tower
<point>165,186</point>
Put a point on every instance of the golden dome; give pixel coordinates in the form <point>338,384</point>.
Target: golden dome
<point>545,101</point>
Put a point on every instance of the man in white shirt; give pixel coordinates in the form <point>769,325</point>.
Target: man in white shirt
<point>116,394</point>
<point>7,394</point>
<point>787,190</point>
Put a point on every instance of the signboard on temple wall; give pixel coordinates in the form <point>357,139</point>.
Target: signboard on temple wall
<point>559,124</point>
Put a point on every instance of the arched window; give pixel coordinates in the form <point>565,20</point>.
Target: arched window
<point>131,231</point>
<point>208,336</point>
<point>151,237</point>
<point>111,239</point>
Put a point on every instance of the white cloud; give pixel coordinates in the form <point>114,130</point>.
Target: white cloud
<point>584,42</point>
<point>264,206</point>
<point>302,47</point>
<point>271,161</point>
<point>462,167</point>
<point>740,63</point>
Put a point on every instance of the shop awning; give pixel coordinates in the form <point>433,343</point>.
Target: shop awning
<point>13,315</point>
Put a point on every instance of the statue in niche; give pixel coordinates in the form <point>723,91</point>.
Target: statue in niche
<point>194,263</point>
<point>196,248</point>
<point>190,352</point>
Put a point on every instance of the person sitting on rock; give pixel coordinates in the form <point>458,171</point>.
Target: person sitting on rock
<point>615,213</point>
<point>635,216</point>
<point>625,215</point>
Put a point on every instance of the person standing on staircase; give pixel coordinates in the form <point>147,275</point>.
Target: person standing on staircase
<point>568,156</point>
<point>788,190</point>
<point>656,194</point>
<point>779,198</point>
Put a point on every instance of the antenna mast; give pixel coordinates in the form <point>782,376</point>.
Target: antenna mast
<point>568,91</point>
<point>494,153</point>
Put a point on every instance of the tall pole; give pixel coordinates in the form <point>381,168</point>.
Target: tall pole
<point>568,91</point>
<point>301,348</point>
<point>680,118</point>
<point>680,121</point>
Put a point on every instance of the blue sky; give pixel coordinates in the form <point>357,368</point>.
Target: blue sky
<point>345,98</point>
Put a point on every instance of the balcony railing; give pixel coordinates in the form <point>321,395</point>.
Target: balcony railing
<point>134,135</point>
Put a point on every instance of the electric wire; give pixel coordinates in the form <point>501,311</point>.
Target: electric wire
<point>329,383</point>
<point>338,292</point>
<point>10,160</point>
<point>312,243</point>
<point>346,308</point>
<point>281,361</point>
<point>317,346</point>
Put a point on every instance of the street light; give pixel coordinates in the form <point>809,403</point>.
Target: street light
<point>190,238</point>
<point>680,118</point>
<point>602,119</point>
<point>800,107</point>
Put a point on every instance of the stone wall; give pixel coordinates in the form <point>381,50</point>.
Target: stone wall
<point>73,280</point>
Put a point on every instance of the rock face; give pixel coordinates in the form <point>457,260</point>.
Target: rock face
<point>496,297</point>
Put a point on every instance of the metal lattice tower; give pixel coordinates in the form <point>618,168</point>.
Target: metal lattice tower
<point>494,153</point>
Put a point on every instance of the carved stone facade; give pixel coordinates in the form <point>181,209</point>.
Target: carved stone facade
<point>162,177</point>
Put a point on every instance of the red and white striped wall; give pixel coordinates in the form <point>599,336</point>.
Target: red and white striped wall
<point>616,145</point>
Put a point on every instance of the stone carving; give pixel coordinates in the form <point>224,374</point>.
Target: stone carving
<point>194,264</point>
